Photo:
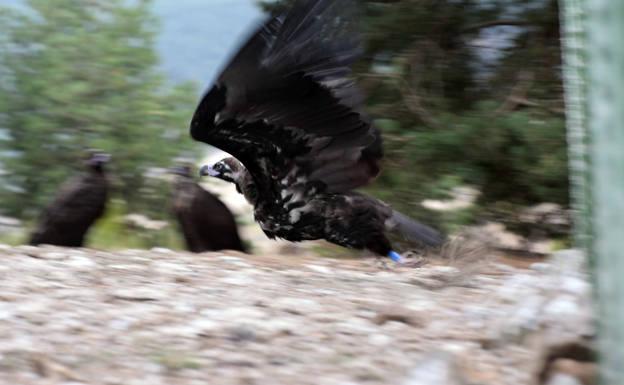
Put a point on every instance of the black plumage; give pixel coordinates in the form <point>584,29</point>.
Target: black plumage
<point>79,203</point>
<point>287,108</point>
<point>206,222</point>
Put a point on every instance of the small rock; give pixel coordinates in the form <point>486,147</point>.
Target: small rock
<point>281,326</point>
<point>171,268</point>
<point>355,326</point>
<point>241,334</point>
<point>297,306</point>
<point>229,259</point>
<point>204,326</point>
<point>427,283</point>
<point>143,222</point>
<point>435,369</point>
<point>53,256</point>
<point>6,311</point>
<point>563,379</point>
<point>576,286</point>
<point>548,216</point>
<point>9,222</point>
<point>378,339</point>
<point>562,307</point>
<point>80,262</point>
<point>496,234</point>
<point>462,197</point>
<point>161,250</point>
<point>420,305</point>
<point>443,270</point>
<point>179,330</point>
<point>585,373</point>
<point>139,295</point>
<point>28,249</point>
<point>398,314</point>
<point>238,279</point>
<point>121,324</point>
<point>237,314</point>
<point>320,269</point>
<point>569,261</point>
<point>541,267</point>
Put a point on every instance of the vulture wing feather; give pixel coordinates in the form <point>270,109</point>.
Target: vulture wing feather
<point>286,102</point>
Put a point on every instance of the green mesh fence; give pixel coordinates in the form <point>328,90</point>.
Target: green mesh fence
<point>575,58</point>
<point>594,73</point>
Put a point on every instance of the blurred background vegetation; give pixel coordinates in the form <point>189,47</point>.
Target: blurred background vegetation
<point>79,75</point>
<point>467,93</point>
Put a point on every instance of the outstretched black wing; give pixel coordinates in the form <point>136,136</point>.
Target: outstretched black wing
<point>286,107</point>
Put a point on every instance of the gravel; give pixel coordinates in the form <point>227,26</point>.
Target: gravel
<point>79,316</point>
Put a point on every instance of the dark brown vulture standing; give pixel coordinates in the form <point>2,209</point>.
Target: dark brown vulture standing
<point>287,108</point>
<point>79,203</point>
<point>206,223</point>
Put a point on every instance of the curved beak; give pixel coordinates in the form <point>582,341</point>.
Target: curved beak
<point>101,158</point>
<point>207,171</point>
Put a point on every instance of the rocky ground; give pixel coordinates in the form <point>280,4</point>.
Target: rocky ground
<point>79,316</point>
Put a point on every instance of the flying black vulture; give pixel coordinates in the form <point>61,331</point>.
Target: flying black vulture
<point>287,108</point>
<point>205,221</point>
<point>79,203</point>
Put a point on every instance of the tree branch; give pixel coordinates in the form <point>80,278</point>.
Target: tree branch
<point>520,101</point>
<point>413,103</point>
<point>518,92</point>
<point>493,23</point>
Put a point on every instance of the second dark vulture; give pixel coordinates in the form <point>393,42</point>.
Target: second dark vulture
<point>287,108</point>
<point>206,222</point>
<point>79,203</point>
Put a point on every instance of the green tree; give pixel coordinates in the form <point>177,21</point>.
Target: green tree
<point>80,74</point>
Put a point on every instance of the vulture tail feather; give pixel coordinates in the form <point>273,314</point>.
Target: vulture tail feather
<point>414,231</point>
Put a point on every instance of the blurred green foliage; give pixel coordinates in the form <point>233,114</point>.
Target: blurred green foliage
<point>113,233</point>
<point>466,93</point>
<point>82,74</point>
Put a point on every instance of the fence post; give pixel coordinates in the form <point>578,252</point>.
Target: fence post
<point>597,159</point>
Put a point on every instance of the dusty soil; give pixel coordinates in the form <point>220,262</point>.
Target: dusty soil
<point>78,316</point>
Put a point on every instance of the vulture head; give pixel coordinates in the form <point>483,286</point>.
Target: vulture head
<point>96,160</point>
<point>233,171</point>
<point>228,169</point>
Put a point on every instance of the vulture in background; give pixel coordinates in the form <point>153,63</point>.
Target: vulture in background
<point>206,223</point>
<point>78,204</point>
<point>287,109</point>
